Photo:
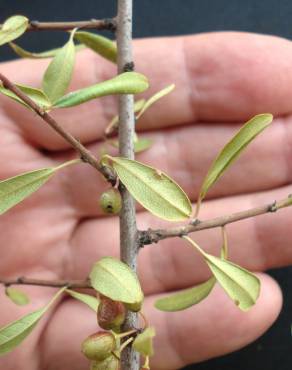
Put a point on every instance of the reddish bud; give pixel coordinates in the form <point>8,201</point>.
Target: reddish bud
<point>99,346</point>
<point>111,314</point>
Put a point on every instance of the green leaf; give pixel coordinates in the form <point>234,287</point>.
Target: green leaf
<point>115,280</point>
<point>89,300</point>
<point>42,55</point>
<point>191,296</point>
<point>17,296</point>
<point>59,72</point>
<point>233,149</point>
<point>242,286</point>
<point>142,144</point>
<point>17,188</point>
<point>125,83</point>
<point>13,28</point>
<point>101,45</point>
<point>160,94</point>
<point>38,96</point>
<point>186,298</point>
<point>157,192</point>
<point>14,333</point>
<point>143,343</point>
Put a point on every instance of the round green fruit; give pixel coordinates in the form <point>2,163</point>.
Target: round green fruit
<point>110,363</point>
<point>99,346</point>
<point>110,201</point>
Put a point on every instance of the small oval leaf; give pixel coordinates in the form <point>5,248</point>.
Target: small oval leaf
<point>17,188</point>
<point>125,83</point>
<point>186,298</point>
<point>115,280</point>
<point>38,96</point>
<point>59,72</point>
<point>232,150</point>
<point>143,343</point>
<point>42,55</point>
<point>13,28</point>
<point>160,94</point>
<point>242,286</point>
<point>101,45</point>
<point>156,191</point>
<point>14,333</point>
<point>17,296</point>
<point>87,299</point>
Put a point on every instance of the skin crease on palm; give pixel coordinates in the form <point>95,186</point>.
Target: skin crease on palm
<point>222,80</point>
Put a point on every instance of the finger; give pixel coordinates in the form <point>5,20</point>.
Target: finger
<point>256,243</point>
<point>212,328</point>
<point>223,76</point>
<point>186,154</point>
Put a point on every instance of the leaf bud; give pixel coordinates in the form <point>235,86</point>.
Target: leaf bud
<point>110,201</point>
<point>110,363</point>
<point>99,346</point>
<point>111,314</point>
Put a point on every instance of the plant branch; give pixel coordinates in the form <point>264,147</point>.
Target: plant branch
<point>98,24</point>
<point>84,153</point>
<point>73,284</point>
<point>128,228</point>
<point>153,236</point>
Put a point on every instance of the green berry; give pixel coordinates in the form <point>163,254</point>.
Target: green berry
<point>110,201</point>
<point>110,363</point>
<point>99,346</point>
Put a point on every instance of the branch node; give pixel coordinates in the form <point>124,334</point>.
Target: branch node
<point>111,24</point>
<point>146,237</point>
<point>273,207</point>
<point>84,158</point>
<point>34,23</point>
<point>195,222</point>
<point>183,232</point>
<point>129,67</point>
<point>41,112</point>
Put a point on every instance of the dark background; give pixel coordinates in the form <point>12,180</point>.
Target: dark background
<point>273,351</point>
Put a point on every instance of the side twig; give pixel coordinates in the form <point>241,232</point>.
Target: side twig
<point>97,24</point>
<point>154,236</point>
<point>73,284</point>
<point>84,153</point>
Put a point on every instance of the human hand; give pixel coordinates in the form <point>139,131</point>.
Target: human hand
<point>222,79</point>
